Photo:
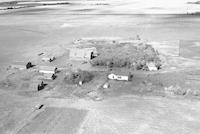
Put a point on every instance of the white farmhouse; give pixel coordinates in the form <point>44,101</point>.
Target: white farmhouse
<point>119,77</point>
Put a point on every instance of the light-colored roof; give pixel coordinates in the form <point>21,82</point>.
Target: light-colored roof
<point>14,65</point>
<point>118,77</point>
<point>18,66</point>
<point>152,66</point>
<point>47,68</point>
<point>88,49</point>
<point>45,58</point>
<point>82,53</point>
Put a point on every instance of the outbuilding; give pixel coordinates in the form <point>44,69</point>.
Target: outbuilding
<point>151,66</point>
<point>83,53</point>
<point>48,59</point>
<point>20,67</point>
<point>48,69</point>
<point>106,85</point>
<point>49,76</point>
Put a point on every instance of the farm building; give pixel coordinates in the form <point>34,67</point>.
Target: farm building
<point>121,76</point>
<point>82,53</point>
<point>151,66</point>
<point>48,59</point>
<point>49,76</point>
<point>47,69</point>
<point>20,67</point>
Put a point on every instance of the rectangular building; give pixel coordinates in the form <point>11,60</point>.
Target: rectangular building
<point>47,69</point>
<point>82,53</point>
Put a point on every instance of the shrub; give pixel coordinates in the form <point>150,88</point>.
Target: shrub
<point>131,56</point>
<point>175,90</point>
<point>76,77</point>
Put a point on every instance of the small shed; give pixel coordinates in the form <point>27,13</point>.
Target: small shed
<point>47,69</point>
<point>48,59</point>
<point>83,53</point>
<point>106,85</point>
<point>20,67</point>
<point>151,66</point>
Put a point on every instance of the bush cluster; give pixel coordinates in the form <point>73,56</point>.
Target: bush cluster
<point>80,75</point>
<point>130,56</point>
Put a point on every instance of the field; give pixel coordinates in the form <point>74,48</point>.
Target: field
<point>144,105</point>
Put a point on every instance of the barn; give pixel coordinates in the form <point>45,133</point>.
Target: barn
<point>83,53</point>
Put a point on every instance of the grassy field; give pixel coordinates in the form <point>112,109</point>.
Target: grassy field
<point>55,120</point>
<point>190,49</point>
